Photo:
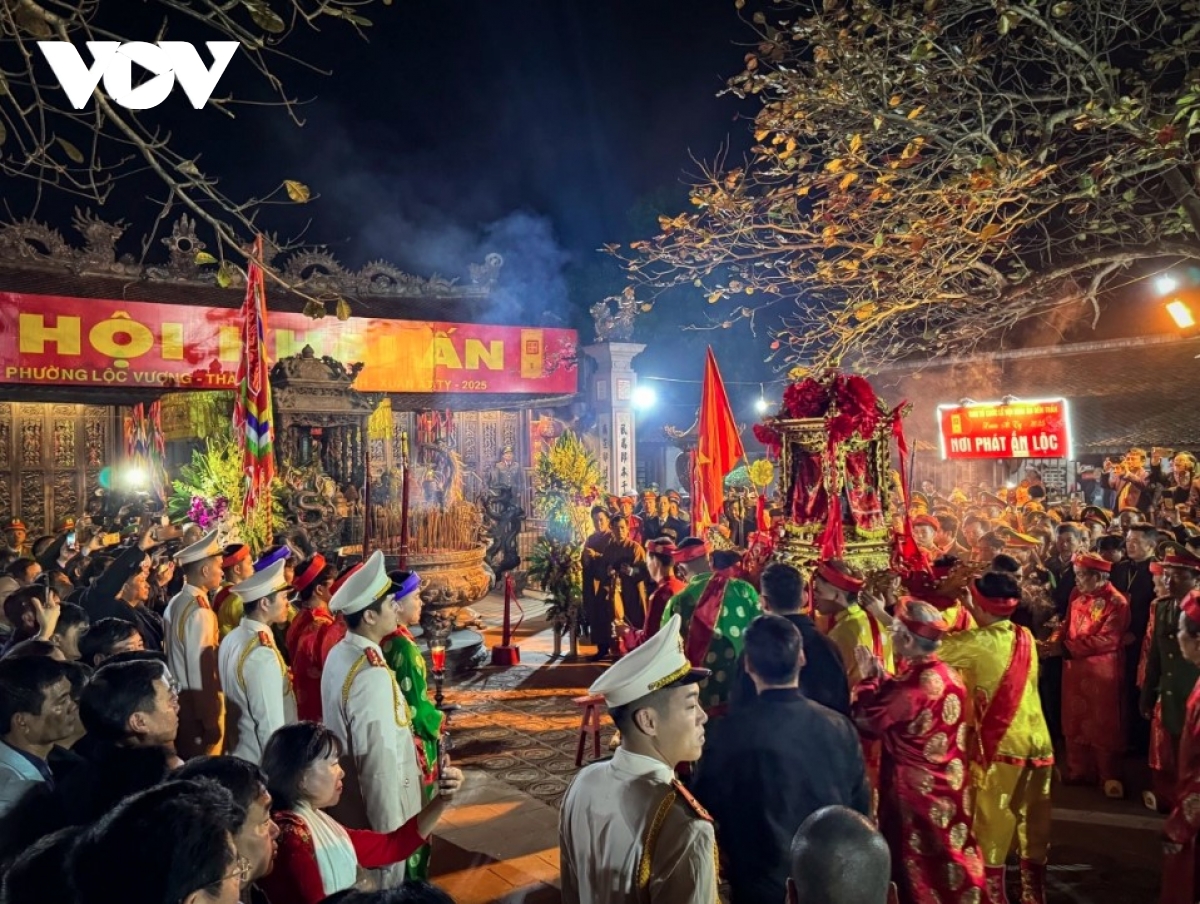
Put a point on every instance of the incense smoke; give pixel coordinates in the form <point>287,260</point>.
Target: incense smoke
<point>406,211</point>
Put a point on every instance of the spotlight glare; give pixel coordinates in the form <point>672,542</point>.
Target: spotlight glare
<point>761,406</point>
<point>1181,314</point>
<point>1165,285</point>
<point>644,398</point>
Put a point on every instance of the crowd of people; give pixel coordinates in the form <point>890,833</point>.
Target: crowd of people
<point>257,730</point>
<point>260,728</point>
<point>1016,640</point>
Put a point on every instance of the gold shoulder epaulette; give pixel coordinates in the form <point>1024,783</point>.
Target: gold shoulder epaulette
<point>358,666</point>
<point>690,799</point>
<point>650,838</point>
<point>252,644</point>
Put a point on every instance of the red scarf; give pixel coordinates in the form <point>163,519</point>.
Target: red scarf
<point>1000,712</point>
<point>876,637</point>
<point>704,619</point>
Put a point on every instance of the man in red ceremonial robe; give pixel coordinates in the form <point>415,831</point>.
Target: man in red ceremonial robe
<point>1181,865</point>
<point>920,715</point>
<point>1093,677</point>
<point>625,507</point>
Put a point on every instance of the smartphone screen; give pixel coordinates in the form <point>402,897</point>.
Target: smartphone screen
<point>71,540</point>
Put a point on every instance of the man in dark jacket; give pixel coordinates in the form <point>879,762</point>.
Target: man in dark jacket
<point>103,597</point>
<point>1068,542</point>
<point>770,764</point>
<point>823,677</point>
<point>1132,577</point>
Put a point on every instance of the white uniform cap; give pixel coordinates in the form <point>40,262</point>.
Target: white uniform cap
<point>262,583</point>
<point>362,588</point>
<point>650,667</point>
<point>204,548</point>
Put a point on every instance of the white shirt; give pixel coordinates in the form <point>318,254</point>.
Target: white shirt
<point>258,690</point>
<point>606,817</point>
<point>362,704</point>
<point>191,644</point>
<point>191,640</point>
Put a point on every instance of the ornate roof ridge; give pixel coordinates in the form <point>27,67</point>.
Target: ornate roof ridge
<point>29,244</point>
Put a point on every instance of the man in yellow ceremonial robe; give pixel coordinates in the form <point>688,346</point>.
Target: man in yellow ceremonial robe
<point>1012,757</point>
<point>836,591</point>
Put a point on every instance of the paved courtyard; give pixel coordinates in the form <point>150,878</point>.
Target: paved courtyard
<point>516,732</point>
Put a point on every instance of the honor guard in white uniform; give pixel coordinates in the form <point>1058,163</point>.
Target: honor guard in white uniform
<point>258,688</point>
<point>362,704</point>
<point>629,832</point>
<point>191,642</point>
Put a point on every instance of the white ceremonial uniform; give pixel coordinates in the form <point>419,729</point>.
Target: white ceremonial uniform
<point>629,832</point>
<point>362,704</point>
<point>258,689</point>
<point>191,642</point>
<point>627,835</point>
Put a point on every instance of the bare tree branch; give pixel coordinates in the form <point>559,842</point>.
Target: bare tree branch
<point>87,153</point>
<point>928,174</point>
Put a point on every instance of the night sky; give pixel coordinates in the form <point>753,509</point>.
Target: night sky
<point>537,128</point>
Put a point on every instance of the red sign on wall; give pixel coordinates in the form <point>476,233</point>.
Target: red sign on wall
<point>54,340</point>
<point>1034,429</point>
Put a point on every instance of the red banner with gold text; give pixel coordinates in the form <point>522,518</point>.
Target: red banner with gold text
<point>54,340</point>
<point>1015,429</point>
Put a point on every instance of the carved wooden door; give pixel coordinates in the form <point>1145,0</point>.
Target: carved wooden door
<point>51,456</point>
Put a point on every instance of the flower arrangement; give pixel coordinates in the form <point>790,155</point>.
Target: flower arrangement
<point>761,472</point>
<point>205,514</point>
<point>557,566</point>
<point>568,481</point>
<point>210,490</point>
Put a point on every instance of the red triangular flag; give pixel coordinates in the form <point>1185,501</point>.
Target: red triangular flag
<point>718,451</point>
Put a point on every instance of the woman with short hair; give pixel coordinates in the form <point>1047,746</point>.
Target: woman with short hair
<point>317,856</point>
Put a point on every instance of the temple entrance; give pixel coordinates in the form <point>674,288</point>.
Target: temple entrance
<point>51,455</point>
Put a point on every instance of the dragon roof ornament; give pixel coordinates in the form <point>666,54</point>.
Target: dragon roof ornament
<point>33,245</point>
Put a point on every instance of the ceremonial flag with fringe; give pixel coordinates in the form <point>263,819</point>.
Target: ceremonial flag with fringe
<point>145,446</point>
<point>252,416</point>
<point>718,451</point>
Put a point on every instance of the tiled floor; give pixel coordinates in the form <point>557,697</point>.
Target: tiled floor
<point>498,843</point>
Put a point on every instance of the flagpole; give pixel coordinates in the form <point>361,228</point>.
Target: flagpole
<point>366,537</point>
<point>404,501</point>
<point>253,414</point>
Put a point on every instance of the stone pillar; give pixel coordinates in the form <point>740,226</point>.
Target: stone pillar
<point>611,396</point>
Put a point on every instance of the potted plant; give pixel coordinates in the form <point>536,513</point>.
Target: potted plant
<point>556,566</point>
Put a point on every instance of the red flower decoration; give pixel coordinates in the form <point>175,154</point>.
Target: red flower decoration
<point>841,428</point>
<point>808,398</point>
<point>769,437</point>
<point>857,402</point>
